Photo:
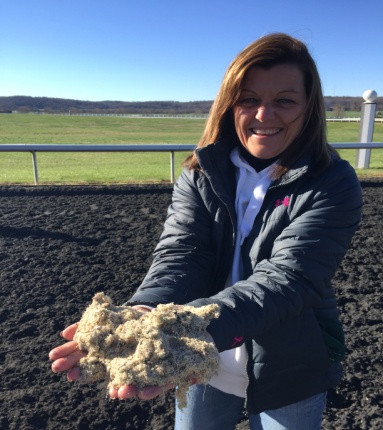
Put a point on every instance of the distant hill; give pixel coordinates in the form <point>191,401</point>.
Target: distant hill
<point>56,105</point>
<point>347,103</point>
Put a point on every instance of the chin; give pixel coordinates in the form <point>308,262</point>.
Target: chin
<point>263,155</point>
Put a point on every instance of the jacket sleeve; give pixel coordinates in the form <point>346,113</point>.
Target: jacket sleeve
<point>297,274</point>
<point>183,260</point>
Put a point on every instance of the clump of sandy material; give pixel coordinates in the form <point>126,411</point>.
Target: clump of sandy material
<point>165,346</point>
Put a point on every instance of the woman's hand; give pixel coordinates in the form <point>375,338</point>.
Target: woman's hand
<point>145,393</point>
<point>66,357</point>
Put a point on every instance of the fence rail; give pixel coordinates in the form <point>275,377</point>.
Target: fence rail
<point>34,148</point>
<point>172,148</point>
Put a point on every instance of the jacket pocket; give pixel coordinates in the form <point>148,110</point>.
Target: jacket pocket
<point>333,336</point>
<point>296,344</point>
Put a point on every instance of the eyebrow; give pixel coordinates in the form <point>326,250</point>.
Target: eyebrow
<point>280,92</point>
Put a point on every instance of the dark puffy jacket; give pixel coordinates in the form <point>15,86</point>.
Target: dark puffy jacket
<point>285,308</point>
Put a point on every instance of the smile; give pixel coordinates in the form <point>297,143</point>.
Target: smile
<point>265,131</point>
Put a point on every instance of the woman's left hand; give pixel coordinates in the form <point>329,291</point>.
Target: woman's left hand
<point>145,393</point>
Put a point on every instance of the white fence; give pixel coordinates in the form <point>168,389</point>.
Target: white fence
<point>171,148</point>
<point>173,116</point>
<point>34,148</point>
<point>377,120</point>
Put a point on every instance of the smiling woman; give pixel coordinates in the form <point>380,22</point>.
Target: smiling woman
<point>260,219</point>
<point>268,53</point>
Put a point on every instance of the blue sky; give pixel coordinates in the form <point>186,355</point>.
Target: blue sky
<point>176,50</point>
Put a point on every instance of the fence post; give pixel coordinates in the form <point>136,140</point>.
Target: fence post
<point>366,128</point>
<point>35,171</point>
<point>172,167</point>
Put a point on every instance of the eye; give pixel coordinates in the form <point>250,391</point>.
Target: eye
<point>248,101</point>
<point>286,101</point>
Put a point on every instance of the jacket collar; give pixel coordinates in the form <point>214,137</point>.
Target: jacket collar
<point>215,162</point>
<point>216,165</point>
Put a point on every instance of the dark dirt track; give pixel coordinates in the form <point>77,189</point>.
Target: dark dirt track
<point>60,245</point>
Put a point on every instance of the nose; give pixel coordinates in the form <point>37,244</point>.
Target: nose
<point>264,112</point>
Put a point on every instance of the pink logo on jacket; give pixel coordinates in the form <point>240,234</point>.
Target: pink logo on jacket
<point>284,202</point>
<point>237,340</point>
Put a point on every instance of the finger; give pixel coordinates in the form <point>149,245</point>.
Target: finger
<point>124,392</point>
<point>73,374</point>
<point>113,393</point>
<point>63,350</point>
<point>150,392</point>
<point>142,308</point>
<point>66,363</point>
<point>69,332</point>
<point>127,392</point>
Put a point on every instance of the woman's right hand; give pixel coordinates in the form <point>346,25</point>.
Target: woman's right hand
<point>66,357</point>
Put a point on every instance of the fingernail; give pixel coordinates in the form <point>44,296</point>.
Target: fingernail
<point>61,333</point>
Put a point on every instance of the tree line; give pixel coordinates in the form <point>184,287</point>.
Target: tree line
<point>25,104</point>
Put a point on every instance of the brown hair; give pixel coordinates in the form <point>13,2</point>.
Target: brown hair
<point>267,52</point>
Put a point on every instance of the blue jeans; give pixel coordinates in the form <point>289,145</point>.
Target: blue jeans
<point>211,409</point>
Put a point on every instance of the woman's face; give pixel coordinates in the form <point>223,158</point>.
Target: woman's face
<point>270,111</point>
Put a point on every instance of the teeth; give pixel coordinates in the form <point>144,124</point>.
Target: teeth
<point>266,132</point>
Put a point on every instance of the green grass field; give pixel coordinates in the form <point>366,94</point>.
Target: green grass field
<point>103,168</point>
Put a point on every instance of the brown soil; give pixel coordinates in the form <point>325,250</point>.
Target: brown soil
<point>61,245</point>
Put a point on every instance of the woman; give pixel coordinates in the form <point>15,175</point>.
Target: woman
<point>260,220</point>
